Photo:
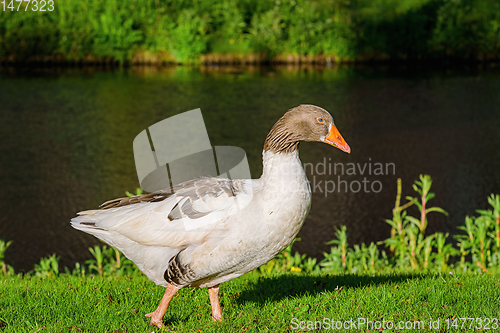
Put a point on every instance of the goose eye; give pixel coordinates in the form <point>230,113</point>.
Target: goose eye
<point>321,120</point>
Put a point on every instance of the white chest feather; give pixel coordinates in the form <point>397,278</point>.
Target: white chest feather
<point>280,204</point>
<point>285,196</point>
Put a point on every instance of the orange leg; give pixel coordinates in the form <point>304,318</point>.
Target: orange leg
<point>213,293</point>
<point>157,315</point>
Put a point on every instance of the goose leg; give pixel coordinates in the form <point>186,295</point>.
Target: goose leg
<point>157,315</point>
<point>213,293</point>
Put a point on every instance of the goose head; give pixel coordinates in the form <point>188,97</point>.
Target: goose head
<point>304,123</point>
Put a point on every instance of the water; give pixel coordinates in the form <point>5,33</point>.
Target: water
<point>66,142</point>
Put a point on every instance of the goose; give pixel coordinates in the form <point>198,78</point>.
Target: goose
<point>211,230</point>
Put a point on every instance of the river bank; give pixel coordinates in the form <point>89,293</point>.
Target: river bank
<point>165,59</point>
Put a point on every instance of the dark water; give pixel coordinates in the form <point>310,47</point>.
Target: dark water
<point>66,142</point>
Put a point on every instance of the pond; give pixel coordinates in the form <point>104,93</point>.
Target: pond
<point>66,142</point>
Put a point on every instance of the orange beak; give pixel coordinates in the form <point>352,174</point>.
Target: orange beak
<point>335,139</point>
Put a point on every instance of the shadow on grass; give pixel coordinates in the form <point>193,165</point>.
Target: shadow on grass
<point>275,288</point>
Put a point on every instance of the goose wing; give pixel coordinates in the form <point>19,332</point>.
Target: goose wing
<point>196,209</point>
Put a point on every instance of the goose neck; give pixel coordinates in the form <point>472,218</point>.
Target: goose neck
<point>281,167</point>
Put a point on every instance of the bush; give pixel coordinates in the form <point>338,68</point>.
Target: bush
<point>338,29</point>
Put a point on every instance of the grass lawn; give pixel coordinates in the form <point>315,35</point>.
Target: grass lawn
<point>251,303</point>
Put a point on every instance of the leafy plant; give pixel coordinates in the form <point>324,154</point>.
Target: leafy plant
<point>357,259</point>
<point>79,270</point>
<point>408,242</point>
<point>48,267</point>
<point>266,32</point>
<point>467,28</point>
<point>336,260</point>
<point>108,261</point>
<point>187,37</point>
<point>399,223</point>
<point>482,236</point>
<point>138,191</point>
<point>423,188</point>
<point>444,251</point>
<point>493,217</point>
<point>115,35</point>
<point>6,270</point>
<point>96,264</point>
<point>286,262</point>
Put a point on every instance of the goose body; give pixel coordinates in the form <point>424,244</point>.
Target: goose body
<point>211,230</point>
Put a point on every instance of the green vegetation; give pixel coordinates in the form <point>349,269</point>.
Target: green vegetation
<point>5,269</point>
<point>118,304</point>
<point>421,277</point>
<point>410,249</point>
<point>155,31</point>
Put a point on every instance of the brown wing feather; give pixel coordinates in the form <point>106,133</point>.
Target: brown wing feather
<point>149,197</point>
<point>194,190</point>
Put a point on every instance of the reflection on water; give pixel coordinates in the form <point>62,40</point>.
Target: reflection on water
<point>66,142</point>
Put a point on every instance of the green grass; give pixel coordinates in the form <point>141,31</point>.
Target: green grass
<point>250,303</point>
